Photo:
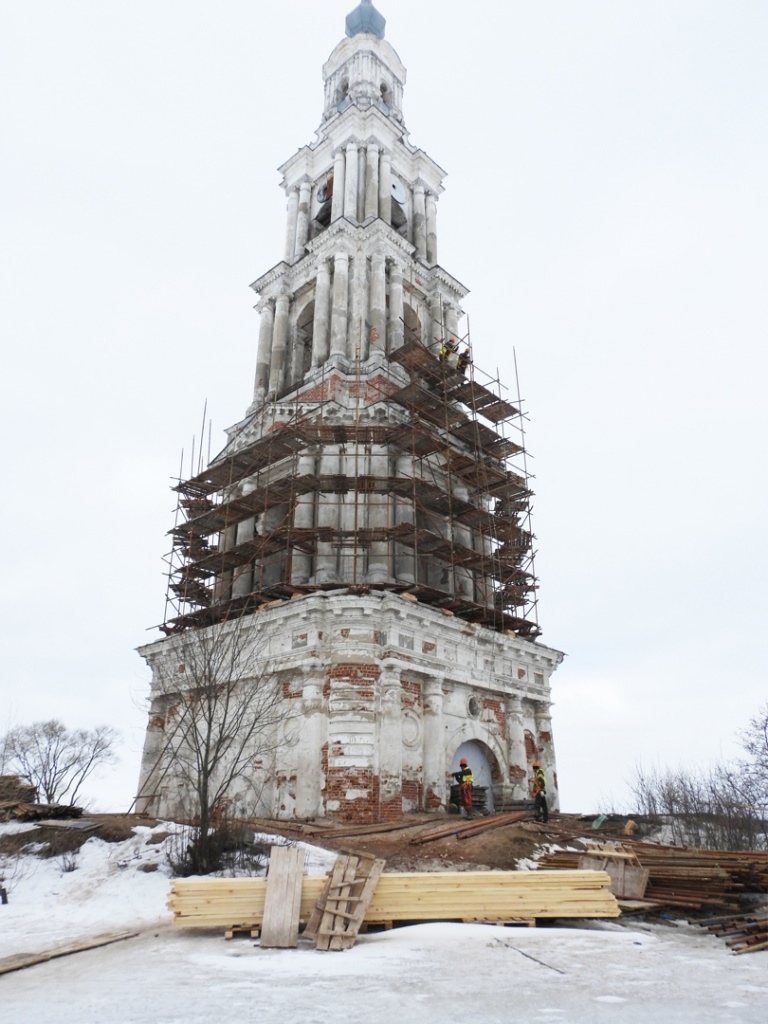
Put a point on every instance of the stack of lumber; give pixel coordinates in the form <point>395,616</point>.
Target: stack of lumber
<point>237,904</point>
<point>686,878</point>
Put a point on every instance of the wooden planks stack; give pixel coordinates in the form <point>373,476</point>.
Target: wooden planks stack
<point>687,878</point>
<point>493,896</point>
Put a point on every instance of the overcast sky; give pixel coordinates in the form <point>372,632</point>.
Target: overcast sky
<point>605,204</point>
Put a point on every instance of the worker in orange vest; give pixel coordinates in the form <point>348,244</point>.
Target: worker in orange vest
<point>538,783</point>
<point>464,778</point>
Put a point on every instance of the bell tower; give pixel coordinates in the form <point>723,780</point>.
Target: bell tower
<point>368,520</point>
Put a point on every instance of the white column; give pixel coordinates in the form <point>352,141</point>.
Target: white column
<point>419,221</point>
<point>372,182</point>
<point>451,315</point>
<point>405,562</point>
<point>339,312</point>
<point>242,577</point>
<point>431,228</point>
<point>322,320</point>
<point>290,227</point>
<point>326,559</point>
<point>396,307</point>
<point>378,519</point>
<point>518,766</point>
<point>302,219</point>
<point>391,744</point>
<point>337,202</point>
<point>357,347</point>
<point>279,344</point>
<point>360,184</point>
<point>264,354</point>
<point>436,331</point>
<point>546,751</point>
<point>377,314</point>
<point>385,188</point>
<point>303,519</point>
<point>436,790</point>
<point>350,183</point>
<point>309,752</point>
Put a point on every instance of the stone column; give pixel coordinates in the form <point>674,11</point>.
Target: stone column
<point>436,789</point>
<point>378,515</point>
<point>546,751</point>
<point>350,183</point>
<point>357,346</point>
<point>321,323</point>
<point>518,762</point>
<point>419,222</point>
<point>436,331</point>
<point>242,577</point>
<point>391,745</point>
<point>326,559</point>
<point>378,308</point>
<point>303,519</point>
<point>339,313</point>
<point>302,219</point>
<point>396,308</point>
<point>149,799</point>
<point>385,188</point>
<point>405,561</point>
<point>431,228</point>
<point>360,184</point>
<point>279,343</point>
<point>463,579</point>
<point>451,315</point>
<point>290,227</point>
<point>309,751</point>
<point>264,355</point>
<point>337,201</point>
<point>371,182</point>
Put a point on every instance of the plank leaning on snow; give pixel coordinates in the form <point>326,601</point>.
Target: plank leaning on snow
<point>282,898</point>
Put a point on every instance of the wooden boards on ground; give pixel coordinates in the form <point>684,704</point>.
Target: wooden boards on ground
<point>492,896</point>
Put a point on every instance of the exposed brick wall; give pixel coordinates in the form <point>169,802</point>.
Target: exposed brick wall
<point>361,810</point>
<point>531,751</point>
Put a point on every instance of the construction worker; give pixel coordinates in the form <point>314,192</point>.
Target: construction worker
<point>448,351</point>
<point>464,361</point>
<point>538,783</point>
<point>464,778</point>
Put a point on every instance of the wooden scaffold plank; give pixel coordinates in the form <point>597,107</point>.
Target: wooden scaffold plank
<point>282,899</point>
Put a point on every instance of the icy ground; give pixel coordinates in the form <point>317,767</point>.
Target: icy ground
<point>598,974</point>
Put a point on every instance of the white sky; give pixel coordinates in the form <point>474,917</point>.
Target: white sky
<point>606,205</point>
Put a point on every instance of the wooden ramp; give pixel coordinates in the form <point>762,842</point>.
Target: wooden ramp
<point>282,898</point>
<point>344,901</point>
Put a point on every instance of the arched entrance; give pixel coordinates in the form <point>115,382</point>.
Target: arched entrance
<point>485,769</point>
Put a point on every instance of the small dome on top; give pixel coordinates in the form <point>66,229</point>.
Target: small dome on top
<point>365,18</point>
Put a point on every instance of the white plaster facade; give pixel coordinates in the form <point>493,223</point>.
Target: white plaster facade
<point>363,521</point>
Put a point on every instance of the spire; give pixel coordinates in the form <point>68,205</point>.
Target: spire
<point>365,18</point>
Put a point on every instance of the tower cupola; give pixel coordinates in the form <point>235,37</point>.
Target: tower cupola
<point>365,18</point>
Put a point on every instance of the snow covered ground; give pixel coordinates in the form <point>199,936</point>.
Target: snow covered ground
<point>605,972</point>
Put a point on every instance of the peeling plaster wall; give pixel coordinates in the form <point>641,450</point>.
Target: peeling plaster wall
<point>385,690</point>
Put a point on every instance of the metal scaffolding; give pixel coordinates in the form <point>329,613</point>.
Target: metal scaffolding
<point>454,530</point>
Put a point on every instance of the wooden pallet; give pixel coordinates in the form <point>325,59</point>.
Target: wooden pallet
<point>344,901</point>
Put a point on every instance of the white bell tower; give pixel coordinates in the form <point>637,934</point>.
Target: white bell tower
<point>368,520</point>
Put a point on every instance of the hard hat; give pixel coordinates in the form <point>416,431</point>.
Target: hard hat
<point>535,765</point>
<point>463,760</point>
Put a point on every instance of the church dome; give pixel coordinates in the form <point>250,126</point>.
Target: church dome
<point>365,18</point>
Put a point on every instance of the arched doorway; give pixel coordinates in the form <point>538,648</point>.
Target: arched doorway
<point>485,769</point>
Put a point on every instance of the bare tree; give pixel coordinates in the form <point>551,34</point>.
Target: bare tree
<point>225,719</point>
<point>56,760</point>
<point>754,767</point>
<point>723,806</point>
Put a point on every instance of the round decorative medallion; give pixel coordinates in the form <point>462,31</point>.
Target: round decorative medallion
<point>411,729</point>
